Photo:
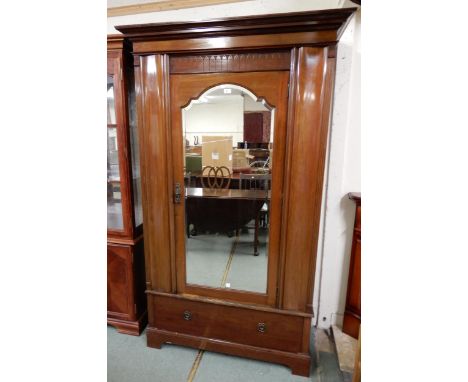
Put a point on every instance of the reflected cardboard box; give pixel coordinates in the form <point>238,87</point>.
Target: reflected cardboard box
<point>217,151</point>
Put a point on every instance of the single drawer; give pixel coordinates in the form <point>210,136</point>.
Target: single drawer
<point>238,324</point>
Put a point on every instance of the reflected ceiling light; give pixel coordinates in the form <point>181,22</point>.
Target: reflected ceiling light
<point>227,91</point>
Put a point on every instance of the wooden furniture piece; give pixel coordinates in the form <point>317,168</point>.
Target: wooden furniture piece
<point>253,127</point>
<point>126,300</point>
<point>257,182</point>
<point>237,207</point>
<point>352,316</point>
<point>287,60</point>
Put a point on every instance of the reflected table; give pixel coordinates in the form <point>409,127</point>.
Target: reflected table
<point>223,210</point>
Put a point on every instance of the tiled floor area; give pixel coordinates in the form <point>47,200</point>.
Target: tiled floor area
<point>130,360</point>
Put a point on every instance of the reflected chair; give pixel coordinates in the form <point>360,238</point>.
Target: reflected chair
<point>257,182</point>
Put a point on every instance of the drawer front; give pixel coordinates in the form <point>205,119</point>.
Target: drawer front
<point>228,323</point>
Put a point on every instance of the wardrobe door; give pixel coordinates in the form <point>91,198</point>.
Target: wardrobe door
<point>228,207</point>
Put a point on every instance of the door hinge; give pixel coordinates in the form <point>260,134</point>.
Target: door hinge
<point>177,193</point>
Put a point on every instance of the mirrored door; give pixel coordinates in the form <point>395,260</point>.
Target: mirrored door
<point>229,140</point>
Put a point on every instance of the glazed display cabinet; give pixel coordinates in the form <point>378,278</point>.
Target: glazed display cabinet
<point>126,301</point>
<point>233,119</point>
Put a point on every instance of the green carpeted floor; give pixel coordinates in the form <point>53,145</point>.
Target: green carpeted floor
<point>130,360</point>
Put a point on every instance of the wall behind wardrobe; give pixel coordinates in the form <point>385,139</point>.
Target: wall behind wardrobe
<point>343,154</point>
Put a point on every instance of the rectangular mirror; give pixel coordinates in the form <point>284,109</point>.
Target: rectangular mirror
<point>228,147</point>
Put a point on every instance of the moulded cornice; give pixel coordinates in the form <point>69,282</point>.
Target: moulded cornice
<point>310,21</point>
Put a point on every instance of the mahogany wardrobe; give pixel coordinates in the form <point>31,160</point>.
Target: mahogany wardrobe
<point>233,119</point>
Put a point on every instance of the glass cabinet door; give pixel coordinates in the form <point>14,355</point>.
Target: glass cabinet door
<point>136,177</point>
<point>114,195</point>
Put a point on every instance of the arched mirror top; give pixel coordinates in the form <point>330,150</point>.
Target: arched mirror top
<point>224,92</point>
<point>228,148</point>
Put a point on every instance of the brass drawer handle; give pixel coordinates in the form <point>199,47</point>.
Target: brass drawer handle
<point>261,327</point>
<point>187,315</point>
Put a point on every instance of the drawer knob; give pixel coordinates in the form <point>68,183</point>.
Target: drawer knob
<point>187,315</point>
<point>261,327</point>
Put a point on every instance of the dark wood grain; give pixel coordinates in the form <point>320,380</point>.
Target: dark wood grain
<point>119,281</point>
<point>235,43</point>
<point>229,323</point>
<point>278,30</point>
<point>126,303</point>
<point>352,316</point>
<point>272,24</point>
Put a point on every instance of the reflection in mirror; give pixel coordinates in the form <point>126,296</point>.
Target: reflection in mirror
<point>114,200</point>
<point>228,147</point>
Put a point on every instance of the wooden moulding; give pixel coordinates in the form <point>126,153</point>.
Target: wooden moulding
<point>213,63</point>
<point>299,363</point>
<point>304,177</point>
<point>156,175</point>
<point>115,41</point>
<point>275,30</point>
<point>133,328</point>
<point>235,42</point>
<point>124,241</point>
<point>280,23</point>
<point>261,308</point>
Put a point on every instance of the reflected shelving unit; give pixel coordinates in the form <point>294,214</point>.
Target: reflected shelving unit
<point>126,302</point>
